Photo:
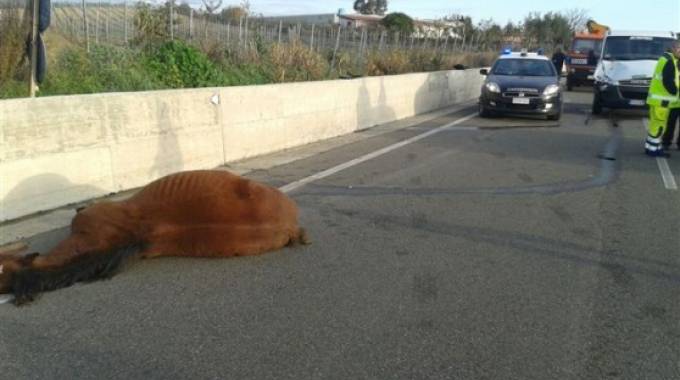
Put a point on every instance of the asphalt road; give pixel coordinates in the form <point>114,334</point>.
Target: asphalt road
<point>539,251</point>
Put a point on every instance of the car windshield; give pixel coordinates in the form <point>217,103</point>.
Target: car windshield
<point>635,48</point>
<point>524,67</point>
<point>582,46</point>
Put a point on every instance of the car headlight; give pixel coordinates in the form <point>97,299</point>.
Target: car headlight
<point>551,90</point>
<point>492,87</point>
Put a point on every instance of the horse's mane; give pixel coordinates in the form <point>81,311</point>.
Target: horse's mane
<point>29,282</point>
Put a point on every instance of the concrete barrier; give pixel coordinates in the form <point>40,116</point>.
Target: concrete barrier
<point>59,150</point>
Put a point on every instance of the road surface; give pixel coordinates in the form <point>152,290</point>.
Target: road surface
<point>485,249</point>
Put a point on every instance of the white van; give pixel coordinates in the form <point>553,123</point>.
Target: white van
<point>624,73</point>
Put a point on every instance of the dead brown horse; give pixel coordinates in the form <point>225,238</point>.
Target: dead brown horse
<point>195,214</point>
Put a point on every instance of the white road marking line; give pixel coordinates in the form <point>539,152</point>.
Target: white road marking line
<point>328,172</point>
<point>662,163</point>
<point>666,174</point>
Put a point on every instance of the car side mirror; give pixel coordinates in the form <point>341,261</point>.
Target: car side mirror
<point>484,72</point>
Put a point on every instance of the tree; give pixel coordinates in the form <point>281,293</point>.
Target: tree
<point>547,30</point>
<point>491,34</point>
<point>233,13</point>
<point>576,18</point>
<point>212,5</point>
<point>398,22</point>
<point>183,9</point>
<point>371,7</point>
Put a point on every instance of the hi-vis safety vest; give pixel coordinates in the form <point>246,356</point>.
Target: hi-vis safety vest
<point>657,92</point>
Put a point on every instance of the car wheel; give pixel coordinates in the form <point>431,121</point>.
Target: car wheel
<point>555,117</point>
<point>483,112</point>
<point>597,104</point>
<point>570,84</point>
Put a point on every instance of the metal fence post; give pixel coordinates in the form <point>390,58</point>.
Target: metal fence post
<point>96,22</point>
<point>311,42</point>
<point>86,27</point>
<point>335,51</point>
<point>191,23</point>
<point>125,21</point>
<point>280,29</point>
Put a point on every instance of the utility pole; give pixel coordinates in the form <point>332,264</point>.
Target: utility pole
<point>34,49</point>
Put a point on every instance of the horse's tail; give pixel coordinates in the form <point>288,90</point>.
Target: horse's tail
<point>30,281</point>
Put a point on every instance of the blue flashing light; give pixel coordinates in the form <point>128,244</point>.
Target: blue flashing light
<point>507,51</point>
<point>540,51</point>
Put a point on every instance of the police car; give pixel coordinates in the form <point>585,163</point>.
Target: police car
<point>521,83</point>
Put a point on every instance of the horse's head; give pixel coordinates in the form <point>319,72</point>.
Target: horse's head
<point>102,227</point>
<point>9,265</point>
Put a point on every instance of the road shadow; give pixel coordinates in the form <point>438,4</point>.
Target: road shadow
<point>434,94</point>
<point>368,114</point>
<point>169,158</point>
<point>45,192</point>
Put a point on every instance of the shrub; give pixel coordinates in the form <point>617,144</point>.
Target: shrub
<point>388,63</point>
<point>104,69</point>
<point>178,65</point>
<point>296,62</point>
<point>13,89</point>
<point>72,73</point>
<point>13,34</point>
<point>152,24</point>
<point>398,22</point>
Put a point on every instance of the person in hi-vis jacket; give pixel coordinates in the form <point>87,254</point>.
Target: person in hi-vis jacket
<point>664,95</point>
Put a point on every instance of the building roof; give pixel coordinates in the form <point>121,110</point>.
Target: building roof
<point>360,17</point>
<point>639,33</point>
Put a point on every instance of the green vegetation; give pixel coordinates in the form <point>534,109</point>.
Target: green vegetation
<point>152,60</point>
<point>398,22</point>
<point>13,33</point>
<point>371,7</point>
<point>104,69</point>
<point>177,64</point>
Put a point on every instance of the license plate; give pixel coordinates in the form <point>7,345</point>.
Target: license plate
<point>637,102</point>
<point>521,101</point>
<point>579,61</point>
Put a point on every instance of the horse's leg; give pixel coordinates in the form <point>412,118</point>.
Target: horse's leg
<point>219,241</point>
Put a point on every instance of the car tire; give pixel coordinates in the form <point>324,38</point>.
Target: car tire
<point>570,84</point>
<point>555,117</point>
<point>597,103</point>
<point>483,112</point>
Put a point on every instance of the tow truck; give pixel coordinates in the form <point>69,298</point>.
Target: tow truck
<point>584,54</point>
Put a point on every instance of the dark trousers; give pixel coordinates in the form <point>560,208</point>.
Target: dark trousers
<point>670,128</point>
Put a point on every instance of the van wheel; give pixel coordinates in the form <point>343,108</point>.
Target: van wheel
<point>555,117</point>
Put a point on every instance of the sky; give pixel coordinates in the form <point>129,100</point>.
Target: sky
<point>657,15</point>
